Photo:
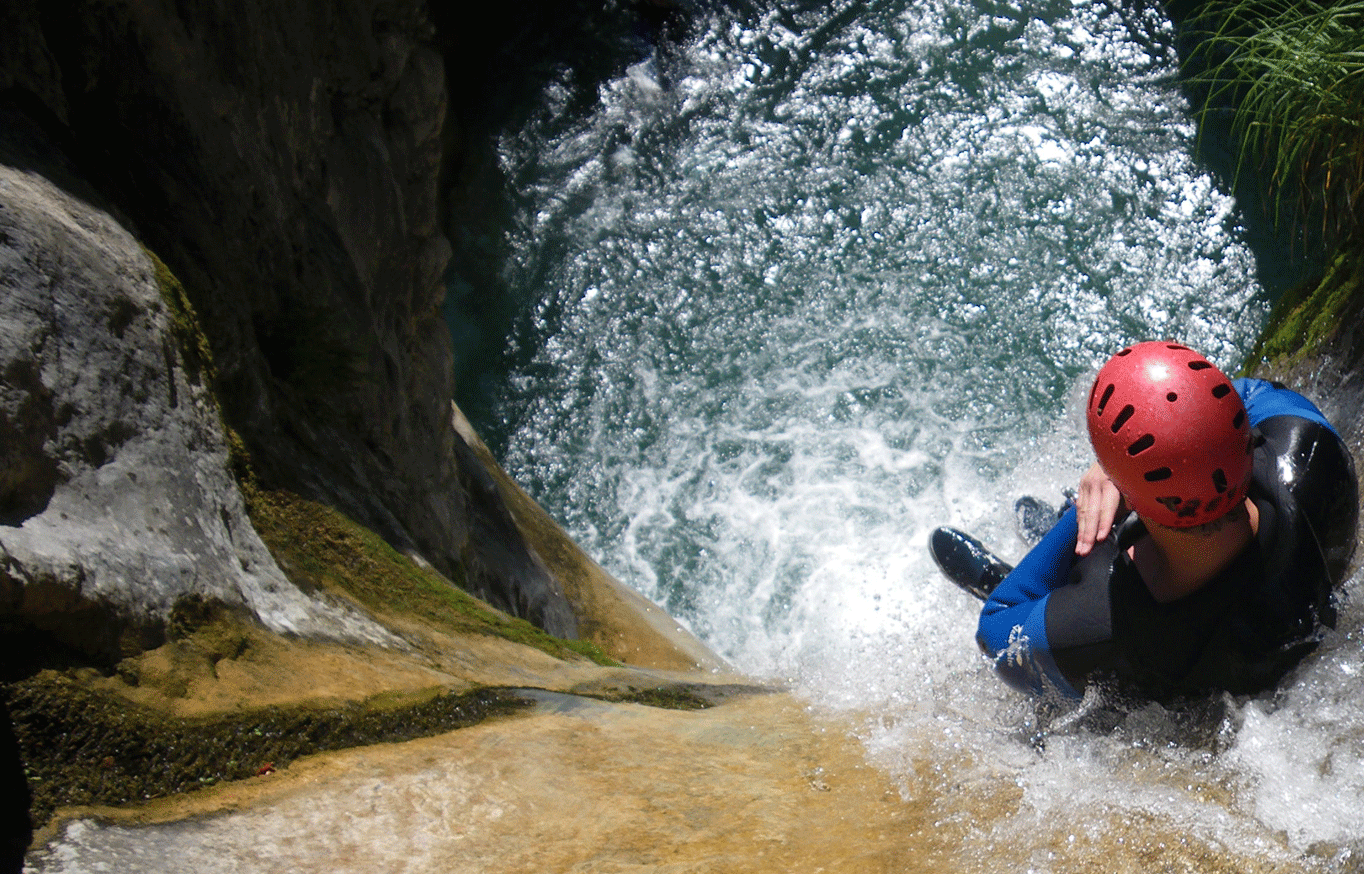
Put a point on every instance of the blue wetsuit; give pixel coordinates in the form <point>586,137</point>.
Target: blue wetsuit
<point>1058,620</point>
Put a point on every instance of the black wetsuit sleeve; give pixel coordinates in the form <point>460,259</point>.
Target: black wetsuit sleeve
<point>1080,616</point>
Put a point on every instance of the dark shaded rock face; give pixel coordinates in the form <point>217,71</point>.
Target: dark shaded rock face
<point>283,159</point>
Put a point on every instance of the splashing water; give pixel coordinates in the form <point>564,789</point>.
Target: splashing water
<point>807,287</point>
<point>812,289</point>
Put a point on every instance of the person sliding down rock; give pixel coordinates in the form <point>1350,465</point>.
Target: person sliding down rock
<point>1202,549</point>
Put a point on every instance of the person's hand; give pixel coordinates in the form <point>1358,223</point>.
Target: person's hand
<point>1097,503</point>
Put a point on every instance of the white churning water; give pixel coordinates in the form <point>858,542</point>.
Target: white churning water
<point>811,285</point>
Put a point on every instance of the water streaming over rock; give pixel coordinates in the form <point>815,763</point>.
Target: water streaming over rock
<point>805,287</point>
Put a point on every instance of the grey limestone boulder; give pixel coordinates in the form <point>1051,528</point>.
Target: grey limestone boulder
<point>115,495</point>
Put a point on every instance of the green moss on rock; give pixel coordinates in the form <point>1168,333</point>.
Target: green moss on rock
<point>184,323</point>
<point>322,550</point>
<point>662,697</point>
<point>1310,315</point>
<point>84,747</point>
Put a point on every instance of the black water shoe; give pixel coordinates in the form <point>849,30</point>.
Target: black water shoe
<point>1035,518</point>
<point>966,562</point>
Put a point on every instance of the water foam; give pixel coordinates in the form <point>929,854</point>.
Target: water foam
<point>805,304</point>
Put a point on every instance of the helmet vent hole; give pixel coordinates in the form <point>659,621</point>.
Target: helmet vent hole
<point>1160,473</point>
<point>1143,443</point>
<point>1199,365</point>
<point>1239,419</point>
<point>1127,351</point>
<point>1172,397</point>
<point>1126,414</point>
<point>1220,391</point>
<point>1178,347</point>
<point>1219,480</point>
<point>1104,399</point>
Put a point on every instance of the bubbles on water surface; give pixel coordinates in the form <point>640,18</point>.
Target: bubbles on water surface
<point>824,290</point>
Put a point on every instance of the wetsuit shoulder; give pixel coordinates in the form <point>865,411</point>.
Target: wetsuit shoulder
<point>1313,478</point>
<point>1265,400</point>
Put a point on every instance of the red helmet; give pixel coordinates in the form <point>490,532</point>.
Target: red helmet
<point>1171,433</point>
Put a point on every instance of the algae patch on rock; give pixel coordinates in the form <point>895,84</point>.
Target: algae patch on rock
<point>184,326</point>
<point>320,550</point>
<point>83,746</point>
<point>1305,318</point>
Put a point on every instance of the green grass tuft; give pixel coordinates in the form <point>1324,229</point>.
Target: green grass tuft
<point>1293,71</point>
